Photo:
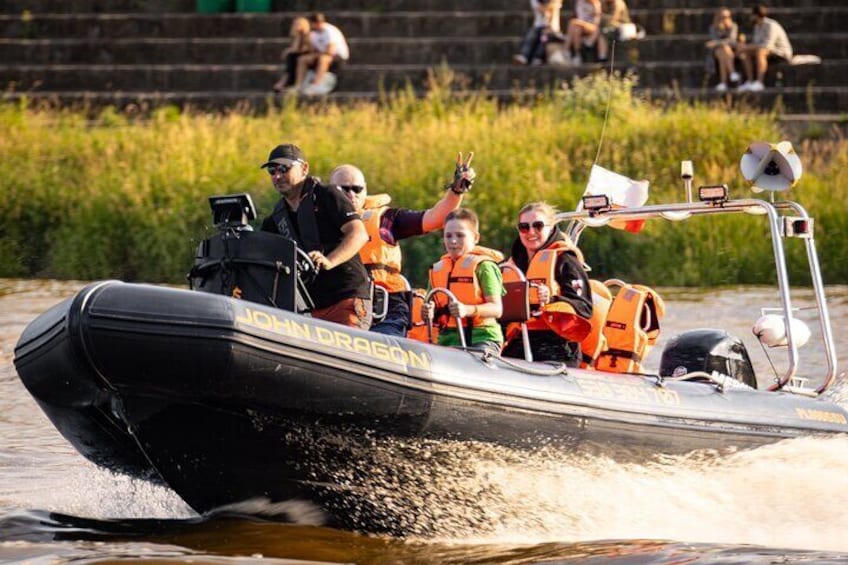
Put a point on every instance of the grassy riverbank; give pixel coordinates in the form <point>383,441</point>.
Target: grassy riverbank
<point>125,198</point>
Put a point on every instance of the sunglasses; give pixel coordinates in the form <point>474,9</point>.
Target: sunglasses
<point>524,227</point>
<point>274,169</point>
<point>355,188</point>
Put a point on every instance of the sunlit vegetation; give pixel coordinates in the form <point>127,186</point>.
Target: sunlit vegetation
<point>126,197</point>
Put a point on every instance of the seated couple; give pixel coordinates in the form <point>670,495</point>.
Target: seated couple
<point>314,58</point>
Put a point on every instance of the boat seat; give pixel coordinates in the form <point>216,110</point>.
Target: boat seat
<point>516,303</point>
<point>516,306</point>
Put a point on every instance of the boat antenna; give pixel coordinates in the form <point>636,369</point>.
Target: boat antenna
<point>609,100</point>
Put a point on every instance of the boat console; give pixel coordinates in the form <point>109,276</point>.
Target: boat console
<point>256,266</point>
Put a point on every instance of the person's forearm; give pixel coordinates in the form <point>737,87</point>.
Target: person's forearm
<point>492,308</point>
<point>434,218</point>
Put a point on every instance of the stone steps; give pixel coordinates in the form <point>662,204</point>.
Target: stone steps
<point>481,50</point>
<point>189,6</point>
<point>372,25</point>
<point>789,101</point>
<point>358,78</point>
<point>161,50</point>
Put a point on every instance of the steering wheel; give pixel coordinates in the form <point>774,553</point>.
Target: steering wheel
<point>306,269</point>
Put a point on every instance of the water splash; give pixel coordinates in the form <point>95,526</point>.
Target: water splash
<point>791,494</point>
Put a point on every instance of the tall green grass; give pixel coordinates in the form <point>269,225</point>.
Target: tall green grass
<point>127,198</point>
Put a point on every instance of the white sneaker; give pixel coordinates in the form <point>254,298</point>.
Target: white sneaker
<point>756,86</point>
<point>734,77</point>
<point>577,60</point>
<point>744,87</point>
<point>721,87</point>
<point>309,90</point>
<point>519,59</point>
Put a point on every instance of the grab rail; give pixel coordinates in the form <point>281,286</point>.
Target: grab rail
<point>451,299</point>
<point>580,219</point>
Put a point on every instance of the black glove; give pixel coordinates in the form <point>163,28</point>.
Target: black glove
<point>463,179</point>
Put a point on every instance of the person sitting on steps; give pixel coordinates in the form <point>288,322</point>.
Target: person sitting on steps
<point>330,51</point>
<point>546,19</point>
<point>770,42</point>
<point>724,33</point>
<point>300,45</point>
<point>585,29</point>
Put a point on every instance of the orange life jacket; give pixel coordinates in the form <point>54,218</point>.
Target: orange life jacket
<point>595,342</point>
<point>631,328</point>
<point>382,259</point>
<point>460,278</point>
<point>542,270</point>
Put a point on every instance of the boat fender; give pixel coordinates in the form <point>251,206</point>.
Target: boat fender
<point>771,331</point>
<point>631,328</point>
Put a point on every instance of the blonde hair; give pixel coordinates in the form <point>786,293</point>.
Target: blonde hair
<point>299,26</point>
<point>543,208</point>
<point>718,21</point>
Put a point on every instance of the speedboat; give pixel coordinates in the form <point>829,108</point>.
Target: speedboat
<point>229,392</point>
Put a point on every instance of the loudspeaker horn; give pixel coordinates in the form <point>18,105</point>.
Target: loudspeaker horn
<point>771,166</point>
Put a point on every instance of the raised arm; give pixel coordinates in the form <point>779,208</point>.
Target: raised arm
<point>463,179</point>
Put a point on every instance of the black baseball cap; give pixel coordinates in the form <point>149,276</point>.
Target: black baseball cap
<point>282,154</point>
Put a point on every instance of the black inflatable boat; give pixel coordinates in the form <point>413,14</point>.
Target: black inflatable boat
<point>227,399</point>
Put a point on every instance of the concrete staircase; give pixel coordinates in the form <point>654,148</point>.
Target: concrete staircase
<point>97,52</point>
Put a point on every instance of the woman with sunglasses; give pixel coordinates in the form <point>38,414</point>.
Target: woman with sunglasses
<point>560,295</point>
<point>724,33</point>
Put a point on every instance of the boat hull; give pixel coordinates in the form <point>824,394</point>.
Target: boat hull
<point>226,401</point>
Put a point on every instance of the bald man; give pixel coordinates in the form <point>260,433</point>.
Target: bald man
<point>386,226</point>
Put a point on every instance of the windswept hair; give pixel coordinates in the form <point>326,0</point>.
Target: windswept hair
<point>466,214</point>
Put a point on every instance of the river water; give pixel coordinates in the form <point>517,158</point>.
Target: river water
<point>786,502</point>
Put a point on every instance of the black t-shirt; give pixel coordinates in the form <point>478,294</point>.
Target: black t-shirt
<point>332,211</point>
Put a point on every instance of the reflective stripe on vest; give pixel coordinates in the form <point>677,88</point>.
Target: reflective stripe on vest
<point>383,260</point>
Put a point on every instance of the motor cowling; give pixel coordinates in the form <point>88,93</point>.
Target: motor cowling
<point>707,350</point>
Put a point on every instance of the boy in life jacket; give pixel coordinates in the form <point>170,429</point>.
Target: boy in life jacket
<point>560,294</point>
<point>472,274</point>
<point>386,226</point>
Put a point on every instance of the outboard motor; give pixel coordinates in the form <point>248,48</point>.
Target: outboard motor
<point>708,350</point>
<point>256,266</point>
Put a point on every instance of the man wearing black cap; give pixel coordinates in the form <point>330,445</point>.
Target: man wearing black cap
<point>324,223</point>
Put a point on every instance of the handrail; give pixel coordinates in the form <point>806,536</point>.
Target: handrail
<point>451,298</point>
<point>580,219</point>
<point>821,300</point>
